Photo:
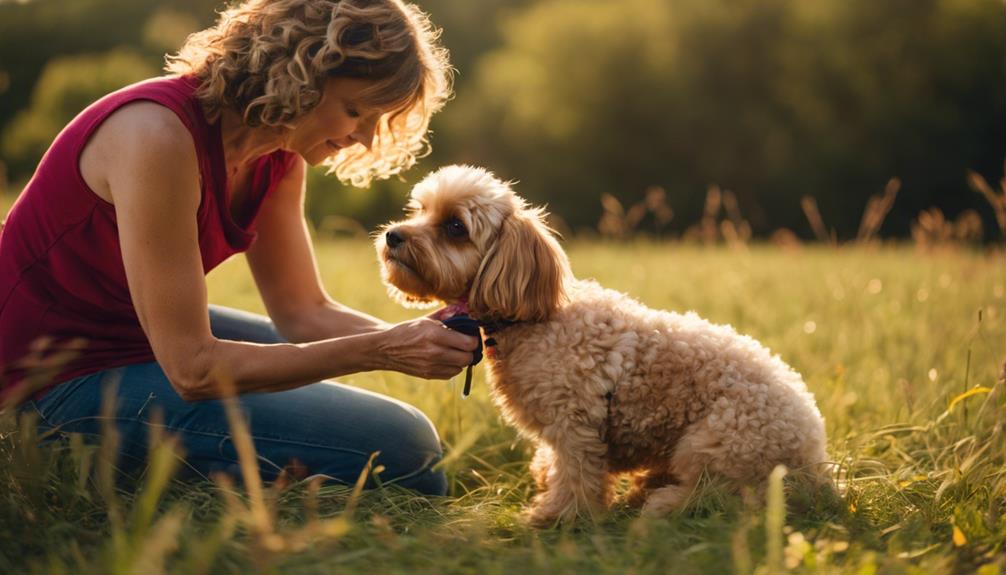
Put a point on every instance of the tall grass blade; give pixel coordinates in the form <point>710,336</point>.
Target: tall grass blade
<point>775,521</point>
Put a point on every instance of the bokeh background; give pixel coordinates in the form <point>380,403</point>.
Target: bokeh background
<point>597,107</point>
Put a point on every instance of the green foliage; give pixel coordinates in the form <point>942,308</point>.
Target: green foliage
<point>334,208</point>
<point>773,99</point>
<point>34,32</point>
<point>67,86</point>
<point>41,42</point>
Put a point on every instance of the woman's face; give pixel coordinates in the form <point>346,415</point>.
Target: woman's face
<point>338,121</point>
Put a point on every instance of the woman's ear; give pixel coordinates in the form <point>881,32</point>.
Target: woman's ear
<point>524,275</point>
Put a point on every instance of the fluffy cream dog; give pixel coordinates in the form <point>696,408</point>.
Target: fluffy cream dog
<point>600,383</point>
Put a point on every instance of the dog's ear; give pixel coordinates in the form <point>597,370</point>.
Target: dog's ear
<point>523,276</point>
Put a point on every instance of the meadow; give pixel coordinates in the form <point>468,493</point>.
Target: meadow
<point>902,349</point>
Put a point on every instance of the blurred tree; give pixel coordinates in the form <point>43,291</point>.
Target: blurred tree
<point>166,30</point>
<point>33,33</point>
<point>66,87</point>
<point>774,99</point>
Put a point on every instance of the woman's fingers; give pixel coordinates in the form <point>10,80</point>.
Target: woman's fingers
<point>458,340</point>
<point>428,349</point>
<point>446,373</point>
<point>458,358</point>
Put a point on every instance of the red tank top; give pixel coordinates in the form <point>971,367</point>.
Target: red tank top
<point>61,270</point>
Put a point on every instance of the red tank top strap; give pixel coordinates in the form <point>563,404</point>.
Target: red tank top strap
<point>174,93</point>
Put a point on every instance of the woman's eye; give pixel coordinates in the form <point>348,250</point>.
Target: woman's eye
<point>352,112</point>
<point>455,228</point>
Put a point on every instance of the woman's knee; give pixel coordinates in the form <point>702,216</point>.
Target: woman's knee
<point>412,452</point>
<point>431,482</point>
<point>333,429</point>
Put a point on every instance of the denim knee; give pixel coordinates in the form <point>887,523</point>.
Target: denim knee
<point>430,482</point>
<point>410,461</point>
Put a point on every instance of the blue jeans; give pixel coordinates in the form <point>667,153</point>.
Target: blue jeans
<point>327,428</point>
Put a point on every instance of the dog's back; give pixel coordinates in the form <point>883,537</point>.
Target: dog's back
<point>642,379</point>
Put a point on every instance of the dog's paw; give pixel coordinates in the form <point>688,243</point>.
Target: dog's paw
<point>545,513</point>
<point>539,518</point>
<point>665,500</point>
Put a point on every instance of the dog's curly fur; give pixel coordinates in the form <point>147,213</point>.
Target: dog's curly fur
<point>600,383</point>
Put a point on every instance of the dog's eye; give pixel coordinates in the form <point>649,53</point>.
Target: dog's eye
<point>455,228</point>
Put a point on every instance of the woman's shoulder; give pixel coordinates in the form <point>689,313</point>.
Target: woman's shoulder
<point>139,137</point>
<point>166,102</point>
<point>152,114</point>
<point>148,123</point>
<point>172,91</point>
<point>140,129</point>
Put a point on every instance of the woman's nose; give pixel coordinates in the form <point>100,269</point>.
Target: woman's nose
<point>364,134</point>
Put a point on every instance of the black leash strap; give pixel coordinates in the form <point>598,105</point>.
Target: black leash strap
<point>468,326</point>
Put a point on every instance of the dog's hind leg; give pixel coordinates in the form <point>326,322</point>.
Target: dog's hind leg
<point>644,482</point>
<point>696,450</point>
<point>576,482</point>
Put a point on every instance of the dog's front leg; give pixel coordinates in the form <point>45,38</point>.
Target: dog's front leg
<point>575,478</point>
<point>541,465</point>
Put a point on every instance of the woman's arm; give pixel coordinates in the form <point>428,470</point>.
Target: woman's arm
<point>286,271</point>
<point>153,182</point>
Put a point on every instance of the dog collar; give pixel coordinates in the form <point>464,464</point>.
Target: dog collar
<point>490,327</point>
<point>463,323</point>
<point>459,310</point>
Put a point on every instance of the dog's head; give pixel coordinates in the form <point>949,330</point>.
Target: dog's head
<point>469,237</point>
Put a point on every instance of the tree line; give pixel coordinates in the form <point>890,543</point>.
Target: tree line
<point>578,100</point>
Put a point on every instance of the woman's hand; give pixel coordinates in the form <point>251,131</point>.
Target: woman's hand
<point>425,348</point>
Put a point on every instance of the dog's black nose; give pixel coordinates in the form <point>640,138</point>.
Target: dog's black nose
<point>394,238</point>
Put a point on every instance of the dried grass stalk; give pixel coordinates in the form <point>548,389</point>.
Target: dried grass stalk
<point>997,199</point>
<point>809,205</point>
<point>877,208</point>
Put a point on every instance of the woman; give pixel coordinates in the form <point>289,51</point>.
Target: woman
<point>152,186</point>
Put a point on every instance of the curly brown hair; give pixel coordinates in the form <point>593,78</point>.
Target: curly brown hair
<point>269,60</point>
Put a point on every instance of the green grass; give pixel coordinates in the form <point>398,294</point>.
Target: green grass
<point>885,338</point>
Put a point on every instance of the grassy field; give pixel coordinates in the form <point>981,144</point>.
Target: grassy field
<point>901,349</point>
